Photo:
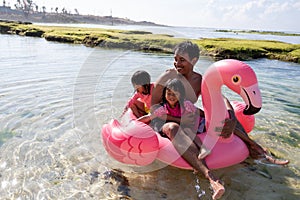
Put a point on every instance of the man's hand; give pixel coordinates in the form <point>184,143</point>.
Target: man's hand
<point>229,126</point>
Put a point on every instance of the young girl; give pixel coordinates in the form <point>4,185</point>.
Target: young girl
<point>175,105</point>
<point>140,102</point>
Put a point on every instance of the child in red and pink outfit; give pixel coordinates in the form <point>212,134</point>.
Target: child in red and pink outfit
<point>174,104</point>
<point>140,102</point>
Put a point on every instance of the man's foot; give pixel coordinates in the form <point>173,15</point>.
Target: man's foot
<point>276,161</point>
<point>203,152</point>
<point>256,151</point>
<point>218,189</point>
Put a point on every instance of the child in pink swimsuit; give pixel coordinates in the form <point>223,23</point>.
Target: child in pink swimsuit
<point>140,102</point>
<point>174,104</point>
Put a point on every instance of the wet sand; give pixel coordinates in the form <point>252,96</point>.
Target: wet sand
<point>250,180</point>
<point>247,181</point>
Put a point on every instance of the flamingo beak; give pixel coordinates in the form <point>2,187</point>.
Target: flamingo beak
<point>252,98</point>
<point>251,110</point>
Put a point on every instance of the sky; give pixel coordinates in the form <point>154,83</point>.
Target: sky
<point>267,15</point>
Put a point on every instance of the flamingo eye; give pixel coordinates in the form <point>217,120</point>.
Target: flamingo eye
<point>236,79</point>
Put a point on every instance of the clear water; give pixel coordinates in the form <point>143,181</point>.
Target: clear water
<point>54,99</point>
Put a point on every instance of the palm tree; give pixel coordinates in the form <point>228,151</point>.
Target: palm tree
<point>76,11</point>
<point>44,12</point>
<point>18,5</point>
<point>26,6</point>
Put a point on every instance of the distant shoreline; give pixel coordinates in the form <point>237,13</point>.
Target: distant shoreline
<point>6,13</point>
<point>259,32</point>
<point>217,48</point>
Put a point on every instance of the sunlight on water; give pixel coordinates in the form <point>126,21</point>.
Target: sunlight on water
<point>54,99</point>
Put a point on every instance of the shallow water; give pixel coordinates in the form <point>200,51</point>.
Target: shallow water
<point>54,99</point>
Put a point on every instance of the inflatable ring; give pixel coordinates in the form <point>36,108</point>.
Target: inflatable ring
<point>137,144</point>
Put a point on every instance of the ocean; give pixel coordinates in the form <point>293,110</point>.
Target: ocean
<point>54,99</point>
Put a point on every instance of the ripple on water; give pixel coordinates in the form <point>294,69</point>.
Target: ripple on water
<point>51,117</point>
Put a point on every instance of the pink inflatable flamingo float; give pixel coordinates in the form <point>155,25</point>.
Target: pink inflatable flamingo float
<point>137,143</point>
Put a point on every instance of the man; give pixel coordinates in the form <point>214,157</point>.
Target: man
<point>186,55</point>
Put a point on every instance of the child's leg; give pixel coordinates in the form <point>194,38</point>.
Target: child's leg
<point>218,189</point>
<point>138,109</point>
<point>203,152</point>
<point>215,183</point>
<point>197,141</point>
<point>193,135</point>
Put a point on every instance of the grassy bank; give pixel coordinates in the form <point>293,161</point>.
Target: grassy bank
<point>259,32</point>
<point>219,48</point>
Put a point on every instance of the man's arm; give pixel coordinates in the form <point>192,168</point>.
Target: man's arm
<point>229,124</point>
<point>156,94</point>
<point>159,87</point>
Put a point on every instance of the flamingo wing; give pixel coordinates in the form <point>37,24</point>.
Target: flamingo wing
<point>135,144</point>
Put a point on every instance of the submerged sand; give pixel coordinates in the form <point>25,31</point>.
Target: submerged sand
<point>250,180</point>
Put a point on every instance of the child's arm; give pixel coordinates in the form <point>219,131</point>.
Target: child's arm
<point>159,112</point>
<point>130,102</point>
<point>191,114</point>
<point>145,119</point>
<point>171,118</point>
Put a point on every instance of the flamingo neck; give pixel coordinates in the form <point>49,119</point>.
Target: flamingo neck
<point>214,106</point>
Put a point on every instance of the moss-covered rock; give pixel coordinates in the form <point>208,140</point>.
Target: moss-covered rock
<point>218,48</point>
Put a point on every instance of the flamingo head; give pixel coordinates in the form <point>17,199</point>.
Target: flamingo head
<point>240,78</point>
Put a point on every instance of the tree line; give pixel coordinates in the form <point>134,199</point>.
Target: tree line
<point>28,6</point>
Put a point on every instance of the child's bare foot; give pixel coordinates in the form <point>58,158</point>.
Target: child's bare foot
<point>203,152</point>
<point>218,189</point>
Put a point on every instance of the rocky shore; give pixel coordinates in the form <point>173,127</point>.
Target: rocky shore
<point>219,48</point>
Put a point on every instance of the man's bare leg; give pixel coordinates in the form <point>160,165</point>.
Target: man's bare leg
<point>255,150</point>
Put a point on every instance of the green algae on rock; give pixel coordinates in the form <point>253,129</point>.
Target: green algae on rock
<point>218,48</point>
